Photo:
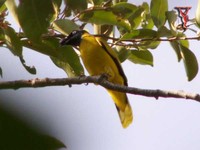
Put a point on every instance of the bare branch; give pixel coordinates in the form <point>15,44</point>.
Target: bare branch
<point>101,80</point>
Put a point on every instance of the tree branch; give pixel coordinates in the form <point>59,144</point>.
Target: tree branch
<point>101,80</point>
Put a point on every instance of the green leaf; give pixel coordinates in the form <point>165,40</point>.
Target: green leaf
<point>190,62</point>
<point>56,6</point>
<point>123,9</point>
<point>102,17</point>
<point>158,10</point>
<point>171,18</point>
<point>76,5</point>
<point>68,61</point>
<point>164,32</point>
<point>140,33</point>
<point>197,16</point>
<point>122,53</point>
<point>66,55</point>
<point>176,48</point>
<point>2,6</point>
<point>65,26</point>
<point>30,69</point>
<point>143,34</point>
<point>141,57</point>
<point>12,41</point>
<point>97,2</point>
<point>136,18</point>
<point>2,2</point>
<point>147,22</point>
<point>148,44</point>
<point>34,16</point>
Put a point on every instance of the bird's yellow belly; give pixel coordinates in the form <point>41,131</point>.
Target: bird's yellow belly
<point>99,62</point>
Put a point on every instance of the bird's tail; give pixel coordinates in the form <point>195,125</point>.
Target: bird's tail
<point>123,107</point>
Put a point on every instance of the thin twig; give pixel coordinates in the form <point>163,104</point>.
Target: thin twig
<point>101,80</point>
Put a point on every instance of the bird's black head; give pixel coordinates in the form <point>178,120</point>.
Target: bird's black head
<point>73,39</point>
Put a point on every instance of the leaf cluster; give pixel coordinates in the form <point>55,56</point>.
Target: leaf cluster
<point>139,30</point>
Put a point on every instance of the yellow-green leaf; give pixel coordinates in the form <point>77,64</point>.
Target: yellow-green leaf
<point>158,10</point>
<point>140,33</point>
<point>12,41</point>
<point>103,17</point>
<point>34,16</point>
<point>65,26</point>
<point>141,57</point>
<point>190,62</point>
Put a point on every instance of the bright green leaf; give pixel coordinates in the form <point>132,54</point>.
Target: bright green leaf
<point>136,18</point>
<point>12,41</point>
<point>141,57</point>
<point>65,26</point>
<point>158,10</point>
<point>102,17</point>
<point>190,62</point>
<point>33,16</point>
<point>197,17</point>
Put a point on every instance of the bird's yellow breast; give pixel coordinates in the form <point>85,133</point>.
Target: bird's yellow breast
<point>97,61</point>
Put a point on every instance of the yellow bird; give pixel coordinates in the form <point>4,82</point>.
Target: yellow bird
<point>99,58</point>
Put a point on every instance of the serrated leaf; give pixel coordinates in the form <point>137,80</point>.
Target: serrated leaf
<point>12,41</point>
<point>141,57</point>
<point>103,17</point>
<point>190,62</point>
<point>30,69</point>
<point>33,16</point>
<point>197,16</point>
<point>158,10</point>
<point>65,26</point>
